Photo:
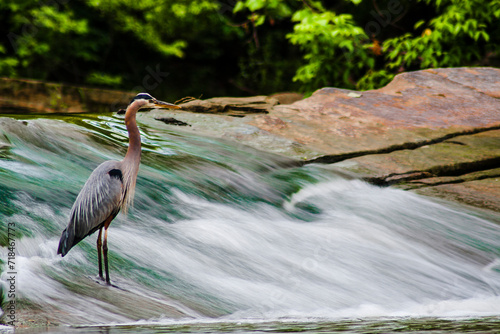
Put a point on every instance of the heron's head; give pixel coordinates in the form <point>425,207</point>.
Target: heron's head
<point>146,101</point>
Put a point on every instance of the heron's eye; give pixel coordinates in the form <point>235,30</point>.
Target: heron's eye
<point>151,101</point>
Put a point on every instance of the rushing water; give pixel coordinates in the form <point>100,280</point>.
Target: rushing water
<point>223,238</point>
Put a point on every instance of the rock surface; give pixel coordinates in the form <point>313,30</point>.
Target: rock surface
<point>434,131</point>
<point>231,106</point>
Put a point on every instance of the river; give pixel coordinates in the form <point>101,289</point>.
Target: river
<point>225,238</point>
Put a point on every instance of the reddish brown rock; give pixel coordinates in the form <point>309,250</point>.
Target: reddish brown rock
<point>415,106</point>
<point>441,125</point>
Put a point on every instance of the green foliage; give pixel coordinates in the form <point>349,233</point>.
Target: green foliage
<point>335,50</point>
<point>7,64</point>
<point>103,79</point>
<point>115,43</point>
<point>39,35</point>
<point>268,67</point>
<point>338,51</point>
<point>374,79</point>
<point>261,8</point>
<point>334,47</point>
<point>210,47</point>
<point>149,22</point>
<point>459,35</point>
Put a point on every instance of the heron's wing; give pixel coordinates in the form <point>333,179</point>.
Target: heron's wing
<point>99,199</point>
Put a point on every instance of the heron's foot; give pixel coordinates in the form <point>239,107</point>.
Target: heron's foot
<point>97,279</point>
<point>108,283</point>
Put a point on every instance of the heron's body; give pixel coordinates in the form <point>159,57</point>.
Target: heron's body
<point>99,199</point>
<point>109,189</point>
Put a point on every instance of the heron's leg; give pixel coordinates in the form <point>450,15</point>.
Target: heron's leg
<point>99,247</point>
<point>105,251</point>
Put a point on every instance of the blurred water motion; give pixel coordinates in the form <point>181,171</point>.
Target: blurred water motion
<point>223,231</point>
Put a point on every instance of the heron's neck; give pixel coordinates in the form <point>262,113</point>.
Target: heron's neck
<point>134,146</point>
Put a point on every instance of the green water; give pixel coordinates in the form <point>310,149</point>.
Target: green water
<point>374,326</point>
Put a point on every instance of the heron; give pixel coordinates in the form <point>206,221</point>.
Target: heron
<point>109,189</point>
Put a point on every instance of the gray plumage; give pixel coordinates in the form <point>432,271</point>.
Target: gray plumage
<point>99,199</point>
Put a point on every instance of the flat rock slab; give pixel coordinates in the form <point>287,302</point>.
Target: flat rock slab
<point>231,106</point>
<point>483,193</point>
<point>415,106</point>
<point>452,157</point>
<point>439,124</point>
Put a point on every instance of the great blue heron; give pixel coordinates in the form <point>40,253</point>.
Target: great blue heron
<point>109,188</point>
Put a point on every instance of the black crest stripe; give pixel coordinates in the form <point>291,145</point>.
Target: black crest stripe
<point>142,96</point>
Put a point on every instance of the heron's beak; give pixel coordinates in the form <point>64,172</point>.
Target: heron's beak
<point>161,104</point>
